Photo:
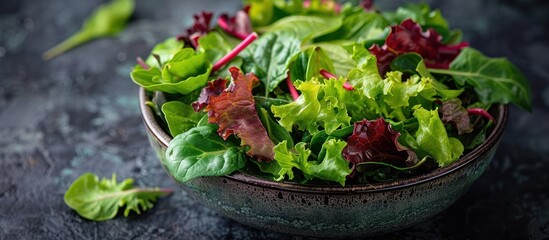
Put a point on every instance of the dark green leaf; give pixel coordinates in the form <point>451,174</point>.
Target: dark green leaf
<point>276,132</point>
<point>180,117</point>
<point>202,152</point>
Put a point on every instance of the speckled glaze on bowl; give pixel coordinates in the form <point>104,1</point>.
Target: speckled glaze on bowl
<point>334,211</point>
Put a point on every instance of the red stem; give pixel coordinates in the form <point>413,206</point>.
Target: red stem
<point>225,26</point>
<point>291,87</point>
<point>481,112</point>
<point>329,75</point>
<point>233,53</point>
<point>142,63</point>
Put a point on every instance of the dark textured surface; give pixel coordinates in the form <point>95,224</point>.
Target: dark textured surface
<point>79,113</point>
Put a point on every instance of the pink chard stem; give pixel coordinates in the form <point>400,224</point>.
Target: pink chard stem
<point>142,63</point>
<point>291,87</point>
<point>329,75</point>
<point>481,112</point>
<point>233,53</point>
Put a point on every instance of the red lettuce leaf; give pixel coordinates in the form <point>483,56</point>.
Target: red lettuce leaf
<point>454,113</point>
<point>367,5</point>
<point>375,141</point>
<point>234,111</point>
<point>200,27</point>
<point>238,25</point>
<point>214,88</point>
<point>409,37</point>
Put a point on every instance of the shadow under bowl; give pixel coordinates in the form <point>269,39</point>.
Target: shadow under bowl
<point>329,210</point>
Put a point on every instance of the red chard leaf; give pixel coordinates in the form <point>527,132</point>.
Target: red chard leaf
<point>409,37</point>
<point>200,27</point>
<point>234,111</point>
<point>214,88</point>
<point>454,113</point>
<point>375,141</point>
<point>238,25</point>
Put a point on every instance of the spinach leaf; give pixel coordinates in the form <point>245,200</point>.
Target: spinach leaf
<point>305,27</point>
<point>276,132</point>
<point>495,80</point>
<point>202,152</point>
<point>359,27</point>
<point>180,117</point>
<point>268,57</point>
<point>340,56</point>
<point>100,200</point>
<point>307,64</point>
<point>106,20</point>
<point>186,72</point>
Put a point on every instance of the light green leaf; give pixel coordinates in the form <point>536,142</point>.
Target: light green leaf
<point>200,151</point>
<point>360,26</point>
<point>107,20</point>
<point>305,27</point>
<point>307,64</point>
<point>99,200</point>
<point>165,52</point>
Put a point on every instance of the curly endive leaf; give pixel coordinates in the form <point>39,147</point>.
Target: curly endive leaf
<point>99,200</point>
<point>234,111</point>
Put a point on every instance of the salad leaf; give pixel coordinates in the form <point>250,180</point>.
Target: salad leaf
<point>185,72</point>
<point>409,37</point>
<point>495,80</point>
<point>433,139</point>
<point>238,25</point>
<point>305,27</point>
<point>234,111</point>
<point>340,56</point>
<point>360,26</point>
<point>320,104</point>
<point>453,112</point>
<point>106,20</point>
<point>99,200</point>
<point>214,88</point>
<point>375,141</point>
<point>276,132</point>
<point>201,152</point>
<point>200,27</point>
<point>423,15</point>
<point>163,52</point>
<point>331,167</point>
<point>268,57</point>
<point>180,117</point>
<point>307,64</point>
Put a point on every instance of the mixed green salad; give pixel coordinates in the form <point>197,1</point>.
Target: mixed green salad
<point>320,91</point>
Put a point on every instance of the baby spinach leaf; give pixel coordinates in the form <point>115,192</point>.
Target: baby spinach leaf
<point>107,20</point>
<point>359,27</point>
<point>307,64</point>
<point>163,52</point>
<point>495,80</point>
<point>180,117</point>
<point>305,27</point>
<point>202,152</point>
<point>99,200</point>
<point>340,55</point>
<point>268,57</point>
<point>186,72</point>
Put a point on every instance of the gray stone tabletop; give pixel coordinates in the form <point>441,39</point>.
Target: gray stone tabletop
<point>78,113</point>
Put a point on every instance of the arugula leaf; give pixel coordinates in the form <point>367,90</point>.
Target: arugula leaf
<point>495,80</point>
<point>234,111</point>
<point>320,104</point>
<point>433,139</point>
<point>106,20</point>
<point>331,167</point>
<point>100,200</point>
<point>201,152</point>
<point>180,117</point>
<point>268,57</point>
<point>185,72</point>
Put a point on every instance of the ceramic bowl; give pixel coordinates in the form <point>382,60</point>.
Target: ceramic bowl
<point>329,210</point>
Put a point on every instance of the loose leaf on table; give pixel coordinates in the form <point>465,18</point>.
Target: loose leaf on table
<point>202,152</point>
<point>107,20</point>
<point>375,141</point>
<point>331,167</point>
<point>185,72</point>
<point>268,57</point>
<point>495,80</point>
<point>99,200</point>
<point>180,117</point>
<point>433,139</point>
<point>234,111</point>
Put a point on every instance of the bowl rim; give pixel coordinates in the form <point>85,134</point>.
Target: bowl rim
<point>492,140</point>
